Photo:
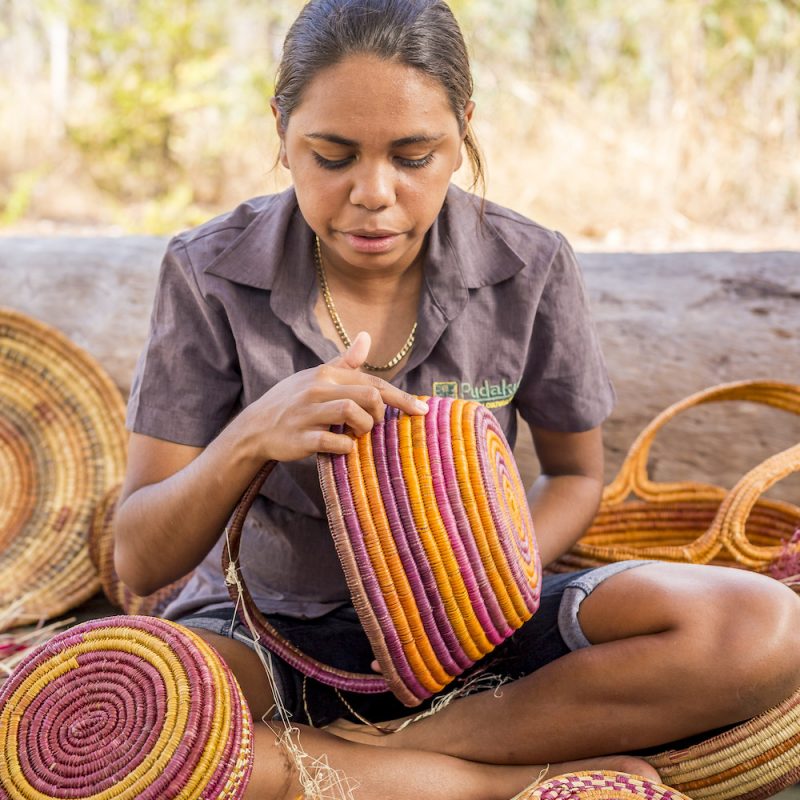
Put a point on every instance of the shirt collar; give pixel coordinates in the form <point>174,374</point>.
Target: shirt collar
<point>466,249</point>
<point>269,232</point>
<point>472,239</point>
<point>270,248</point>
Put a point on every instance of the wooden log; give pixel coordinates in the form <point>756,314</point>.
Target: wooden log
<point>670,324</point>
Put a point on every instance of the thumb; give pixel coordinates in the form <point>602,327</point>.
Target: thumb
<point>356,354</point>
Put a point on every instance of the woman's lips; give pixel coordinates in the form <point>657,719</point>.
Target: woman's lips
<point>372,243</point>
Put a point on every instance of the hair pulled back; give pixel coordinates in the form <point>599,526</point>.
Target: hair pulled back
<point>422,34</point>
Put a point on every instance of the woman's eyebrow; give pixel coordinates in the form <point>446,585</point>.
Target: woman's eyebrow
<point>419,138</point>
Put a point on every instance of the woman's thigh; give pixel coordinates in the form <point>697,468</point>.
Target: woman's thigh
<point>719,602</point>
<point>247,669</point>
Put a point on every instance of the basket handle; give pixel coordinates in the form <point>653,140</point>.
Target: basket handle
<point>252,617</point>
<point>731,518</point>
<point>633,477</point>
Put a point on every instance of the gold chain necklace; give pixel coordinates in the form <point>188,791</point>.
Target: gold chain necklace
<point>337,322</point>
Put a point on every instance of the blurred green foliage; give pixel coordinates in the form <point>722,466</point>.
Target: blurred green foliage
<point>151,64</point>
<point>168,101</point>
<point>161,72</point>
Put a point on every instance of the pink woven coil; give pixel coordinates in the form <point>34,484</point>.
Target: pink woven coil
<point>124,707</point>
<point>600,785</point>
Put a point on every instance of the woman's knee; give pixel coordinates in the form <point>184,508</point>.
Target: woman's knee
<point>739,633</point>
<point>732,637</point>
<point>754,635</point>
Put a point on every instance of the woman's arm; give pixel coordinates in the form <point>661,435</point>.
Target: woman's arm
<point>176,499</point>
<point>565,497</point>
<point>174,502</point>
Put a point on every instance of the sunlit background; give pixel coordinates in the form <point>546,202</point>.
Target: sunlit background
<point>648,125</point>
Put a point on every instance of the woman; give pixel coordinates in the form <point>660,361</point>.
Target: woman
<point>249,360</point>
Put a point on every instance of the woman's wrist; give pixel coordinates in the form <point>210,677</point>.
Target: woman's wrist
<point>245,443</point>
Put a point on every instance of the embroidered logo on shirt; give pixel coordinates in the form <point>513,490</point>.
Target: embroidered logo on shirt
<point>492,395</point>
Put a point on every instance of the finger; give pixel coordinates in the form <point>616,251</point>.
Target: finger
<point>326,441</point>
<point>392,396</point>
<point>340,411</point>
<point>376,667</point>
<point>389,394</point>
<point>356,354</point>
<point>363,393</point>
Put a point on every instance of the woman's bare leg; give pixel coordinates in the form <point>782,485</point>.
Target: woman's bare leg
<point>380,774</point>
<point>679,649</point>
<point>376,773</point>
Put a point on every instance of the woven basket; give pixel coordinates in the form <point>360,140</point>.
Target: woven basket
<point>120,708</point>
<point>431,523</point>
<point>62,446</point>
<point>599,785</point>
<point>695,522</point>
<point>754,760</point>
<point>101,551</point>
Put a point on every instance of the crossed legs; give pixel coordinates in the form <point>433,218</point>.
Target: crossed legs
<point>676,650</point>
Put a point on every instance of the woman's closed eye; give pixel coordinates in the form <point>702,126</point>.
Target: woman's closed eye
<point>416,163</point>
<point>331,163</point>
<point>340,163</point>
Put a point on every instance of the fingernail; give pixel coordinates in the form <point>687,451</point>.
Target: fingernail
<point>421,406</point>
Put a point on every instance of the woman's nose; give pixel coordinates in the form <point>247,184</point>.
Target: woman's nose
<point>373,186</point>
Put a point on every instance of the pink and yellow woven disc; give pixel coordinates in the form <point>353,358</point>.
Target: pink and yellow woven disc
<point>431,522</point>
<point>600,785</point>
<point>125,707</point>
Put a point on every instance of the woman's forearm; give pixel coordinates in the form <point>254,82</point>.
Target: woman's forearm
<point>163,530</point>
<point>562,508</point>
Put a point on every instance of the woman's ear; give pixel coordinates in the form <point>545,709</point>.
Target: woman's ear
<point>469,109</point>
<point>279,127</point>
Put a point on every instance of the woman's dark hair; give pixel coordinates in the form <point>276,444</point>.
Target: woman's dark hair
<point>418,33</point>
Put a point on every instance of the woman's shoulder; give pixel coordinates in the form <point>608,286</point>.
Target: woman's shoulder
<point>496,242</point>
<point>263,218</point>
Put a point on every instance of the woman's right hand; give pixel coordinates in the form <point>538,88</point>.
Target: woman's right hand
<point>176,499</point>
<point>293,419</point>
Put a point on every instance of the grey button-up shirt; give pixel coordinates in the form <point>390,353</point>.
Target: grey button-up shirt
<point>503,319</point>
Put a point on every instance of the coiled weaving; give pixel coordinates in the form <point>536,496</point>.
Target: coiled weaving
<point>125,707</point>
<point>751,761</point>
<point>62,446</point>
<point>693,522</point>
<point>600,785</point>
<point>431,523</point>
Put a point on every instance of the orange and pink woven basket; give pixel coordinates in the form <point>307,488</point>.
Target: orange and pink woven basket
<point>599,785</point>
<point>432,527</point>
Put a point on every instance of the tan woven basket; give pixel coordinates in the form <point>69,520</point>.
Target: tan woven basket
<point>695,522</point>
<point>62,446</point>
<point>753,760</point>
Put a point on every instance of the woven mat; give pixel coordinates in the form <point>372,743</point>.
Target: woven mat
<point>62,446</point>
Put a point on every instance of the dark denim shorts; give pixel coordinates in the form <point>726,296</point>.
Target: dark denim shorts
<point>338,639</point>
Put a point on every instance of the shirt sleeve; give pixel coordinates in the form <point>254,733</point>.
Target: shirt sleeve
<point>187,382</point>
<point>565,385</point>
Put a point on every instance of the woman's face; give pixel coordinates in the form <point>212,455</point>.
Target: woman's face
<point>371,147</point>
